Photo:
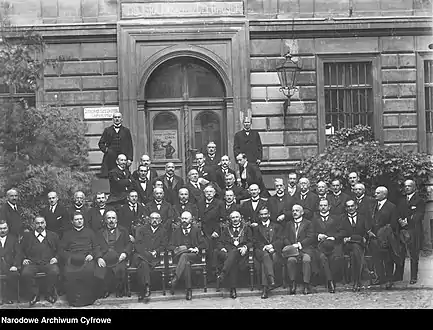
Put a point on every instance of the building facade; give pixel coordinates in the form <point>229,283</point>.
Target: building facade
<point>184,73</point>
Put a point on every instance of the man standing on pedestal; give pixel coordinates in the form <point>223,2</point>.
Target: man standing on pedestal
<point>248,142</point>
<point>115,140</point>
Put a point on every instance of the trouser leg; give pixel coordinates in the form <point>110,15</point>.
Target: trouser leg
<point>52,273</point>
<point>324,262</point>
<point>306,268</point>
<point>143,274</point>
<point>291,268</point>
<point>28,274</point>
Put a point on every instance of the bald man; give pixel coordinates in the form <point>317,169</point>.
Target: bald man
<point>11,212</point>
<point>151,174</point>
<point>115,140</point>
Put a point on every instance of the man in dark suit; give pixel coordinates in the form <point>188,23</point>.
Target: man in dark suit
<point>186,243</point>
<point>322,191</point>
<point>411,214</point>
<point>78,206</point>
<point>248,142</point>
<point>151,173</point>
<point>211,157</point>
<point>172,183</point>
<point>292,186</point>
<point>159,205</point>
<point>142,185</point>
<point>240,192</point>
<point>96,213</point>
<point>195,188</point>
<point>11,212</point>
<point>299,234</point>
<point>337,199</point>
<point>10,261</point>
<point>115,247</point>
<point>222,170</point>
<point>40,250</point>
<point>132,214</point>
<point>280,205</point>
<point>266,244</point>
<point>250,174</point>
<point>151,240</point>
<point>250,208</point>
<point>354,226</point>
<point>229,205</point>
<point>115,140</point>
<point>120,183</point>
<point>231,252</point>
<point>56,215</point>
<point>385,214</point>
<point>306,198</point>
<point>206,173</point>
<point>327,229</point>
<point>365,203</point>
<point>184,205</point>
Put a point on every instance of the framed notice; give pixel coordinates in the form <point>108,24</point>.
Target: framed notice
<point>100,112</point>
<point>165,144</point>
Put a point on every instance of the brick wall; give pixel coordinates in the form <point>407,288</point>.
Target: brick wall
<point>87,79</point>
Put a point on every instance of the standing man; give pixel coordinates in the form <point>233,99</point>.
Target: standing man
<point>337,200</point>
<point>96,213</point>
<point>56,215</point>
<point>195,187</point>
<point>132,214</point>
<point>229,204</point>
<point>151,174</point>
<point>120,182</point>
<point>142,184</point>
<point>411,209</point>
<point>206,173</point>
<point>11,212</point>
<point>115,140</point>
<point>10,261</point>
<point>353,179</point>
<point>365,203</point>
<point>280,205</point>
<point>78,206</point>
<point>250,208</point>
<point>184,205</point>
<point>292,187</point>
<point>240,192</point>
<point>322,190</point>
<point>250,174</point>
<point>172,183</point>
<point>222,170</point>
<point>211,158</point>
<point>162,207</point>
<point>249,143</point>
<point>306,198</point>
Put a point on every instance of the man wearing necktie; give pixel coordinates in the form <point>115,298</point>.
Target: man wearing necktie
<point>142,184</point>
<point>280,205</point>
<point>120,183</point>
<point>248,141</point>
<point>165,209</point>
<point>40,252</point>
<point>56,215</point>
<point>206,173</point>
<point>96,213</point>
<point>299,234</point>
<point>171,183</point>
<point>229,204</point>
<point>184,204</point>
<point>222,169</point>
<point>250,174</point>
<point>230,184</point>
<point>337,199</point>
<point>151,173</point>
<point>11,212</point>
<point>322,190</point>
<point>292,187</point>
<point>10,262</point>
<point>365,203</point>
<point>306,198</point>
<point>132,215</point>
<point>211,158</point>
<point>250,208</point>
<point>195,187</point>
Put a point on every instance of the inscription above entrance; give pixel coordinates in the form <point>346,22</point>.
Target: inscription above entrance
<point>133,10</point>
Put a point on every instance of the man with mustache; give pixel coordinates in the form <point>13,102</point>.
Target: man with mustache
<point>171,183</point>
<point>120,183</point>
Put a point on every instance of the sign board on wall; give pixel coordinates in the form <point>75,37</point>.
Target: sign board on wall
<point>100,112</point>
<point>131,10</point>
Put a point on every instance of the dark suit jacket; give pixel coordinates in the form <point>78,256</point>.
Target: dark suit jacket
<point>240,193</point>
<point>278,206</point>
<point>28,241</point>
<point>122,244</point>
<point>166,212</point>
<point>13,219</point>
<point>388,214</point>
<point>261,239</point>
<point>413,211</point>
<point>366,206</point>
<point>128,220</point>
<point>178,209</point>
<point>249,213</point>
<point>305,235</point>
<point>10,254</point>
<point>338,206</point>
<point>331,227</point>
<point>195,195</point>
<point>360,230</point>
<point>250,145</point>
<point>144,196</point>
<point>171,194</point>
<point>228,211</point>
<point>221,176</point>
<point>211,162</point>
<point>95,219</point>
<point>58,221</point>
<point>211,216</point>
<point>84,210</point>
<point>206,172</point>
<point>194,239</point>
<point>147,241</point>
<point>227,240</point>
<point>120,184</point>
<point>309,203</point>
<point>153,175</point>
<point>254,176</point>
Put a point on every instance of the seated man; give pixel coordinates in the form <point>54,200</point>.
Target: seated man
<point>186,242</point>
<point>115,247</point>
<point>40,255</point>
<point>327,229</point>
<point>10,260</point>
<point>232,250</point>
<point>266,243</point>
<point>79,250</point>
<point>150,241</point>
<point>298,234</point>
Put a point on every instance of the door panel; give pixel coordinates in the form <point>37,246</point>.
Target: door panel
<point>208,126</point>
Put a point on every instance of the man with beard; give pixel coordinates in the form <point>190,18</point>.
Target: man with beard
<point>250,174</point>
<point>10,261</point>
<point>151,240</point>
<point>96,213</point>
<point>79,250</point>
<point>337,199</point>
<point>306,198</point>
<point>250,208</point>
<point>172,183</point>
<point>115,140</point>
<point>132,215</point>
<point>222,170</point>
<point>11,212</point>
<point>159,205</point>
<point>231,252</point>
<point>115,247</point>
<point>292,187</point>
<point>142,185</point>
<point>280,205</point>
<point>151,173</point>
<point>77,206</point>
<point>120,183</point>
<point>186,243</point>
<point>211,158</point>
<point>56,215</point>
<point>249,143</point>
<point>240,193</point>
<point>195,187</point>
<point>40,250</point>
<point>327,229</point>
<point>184,205</point>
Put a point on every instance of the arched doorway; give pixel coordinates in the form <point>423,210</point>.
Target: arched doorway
<point>185,110</point>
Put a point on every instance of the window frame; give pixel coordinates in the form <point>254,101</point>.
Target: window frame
<point>420,97</point>
<point>14,95</point>
<point>374,59</point>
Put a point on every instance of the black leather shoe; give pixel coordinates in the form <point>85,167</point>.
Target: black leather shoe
<point>7,302</point>
<point>331,287</point>
<point>307,289</point>
<point>293,288</point>
<point>188,294</point>
<point>413,281</point>
<point>388,285</point>
<point>233,294</point>
<point>265,293</point>
<point>51,299</point>
<point>34,300</point>
<point>356,287</point>
<point>147,291</point>
<point>271,281</point>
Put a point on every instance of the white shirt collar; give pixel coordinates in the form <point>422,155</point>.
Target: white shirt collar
<point>382,202</point>
<point>324,214</point>
<point>154,229</point>
<point>13,207</point>
<point>79,229</point>
<point>363,195</point>
<point>411,195</point>
<point>266,224</point>
<point>337,194</point>
<point>44,233</point>
<point>3,239</point>
<point>245,165</point>
<point>298,221</point>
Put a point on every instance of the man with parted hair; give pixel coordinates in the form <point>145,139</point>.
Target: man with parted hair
<point>195,188</point>
<point>211,158</point>
<point>132,214</point>
<point>280,204</point>
<point>159,205</point>
<point>120,182</point>
<point>10,262</point>
<point>306,198</point>
<point>11,212</point>
<point>206,173</point>
<point>230,184</point>
<point>78,205</point>
<point>230,204</point>
<point>353,179</point>
<point>338,198</point>
<point>250,208</point>
<point>185,204</point>
<point>151,173</point>
<point>55,214</point>
<point>96,213</point>
<point>171,183</point>
<point>142,185</point>
<point>248,141</point>
<point>292,187</point>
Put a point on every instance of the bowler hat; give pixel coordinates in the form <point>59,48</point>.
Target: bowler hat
<point>290,251</point>
<point>356,238</point>
<point>179,250</point>
<point>326,246</point>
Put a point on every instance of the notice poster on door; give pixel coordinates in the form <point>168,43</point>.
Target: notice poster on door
<point>165,144</point>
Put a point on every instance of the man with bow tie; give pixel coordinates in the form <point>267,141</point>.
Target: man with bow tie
<point>327,229</point>
<point>306,198</point>
<point>300,235</point>
<point>250,174</point>
<point>292,187</point>
<point>266,244</point>
<point>10,262</point>
<point>210,155</point>
<point>115,140</point>
<point>184,204</point>
<point>232,250</point>
<point>11,212</point>
<point>132,214</point>
<point>171,183</point>
<point>248,142</point>
<point>411,210</point>
<point>337,199</point>
<point>151,173</point>
<point>250,208</point>
<point>56,215</point>
<point>365,203</point>
<point>240,192</point>
<point>195,187</point>
<point>78,206</point>
<point>385,214</point>
<point>354,228</point>
<point>187,241</point>
<point>159,205</point>
<point>120,183</point>
<point>96,213</point>
<point>280,205</point>
<point>151,240</point>
<point>142,185</point>
<point>230,204</point>
<point>115,248</point>
<point>222,170</point>
<point>40,250</point>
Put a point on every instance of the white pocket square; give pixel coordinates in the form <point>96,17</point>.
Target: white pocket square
<point>413,207</point>
<point>58,218</point>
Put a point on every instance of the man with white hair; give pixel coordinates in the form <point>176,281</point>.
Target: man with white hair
<point>280,205</point>
<point>222,170</point>
<point>365,203</point>
<point>11,212</point>
<point>211,158</point>
<point>55,214</point>
<point>120,182</point>
<point>306,198</point>
<point>79,205</point>
<point>115,140</point>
